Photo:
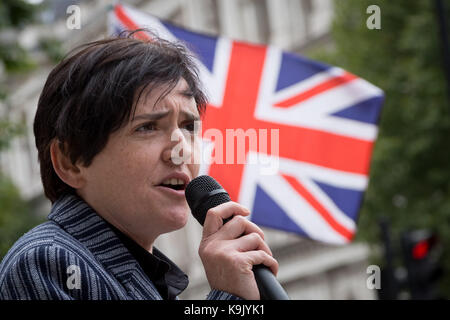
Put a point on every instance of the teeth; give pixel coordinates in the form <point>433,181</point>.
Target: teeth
<point>173,181</point>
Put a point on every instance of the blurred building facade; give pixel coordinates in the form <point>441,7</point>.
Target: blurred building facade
<point>308,270</point>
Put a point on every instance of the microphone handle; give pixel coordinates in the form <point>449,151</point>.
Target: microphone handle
<point>268,286</point>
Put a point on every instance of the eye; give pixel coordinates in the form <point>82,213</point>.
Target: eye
<point>150,126</point>
<point>190,126</point>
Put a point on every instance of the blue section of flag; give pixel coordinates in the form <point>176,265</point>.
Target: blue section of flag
<point>204,46</point>
<point>365,111</point>
<point>349,201</point>
<point>266,212</point>
<point>295,68</point>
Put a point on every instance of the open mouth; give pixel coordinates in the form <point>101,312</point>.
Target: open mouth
<point>175,184</point>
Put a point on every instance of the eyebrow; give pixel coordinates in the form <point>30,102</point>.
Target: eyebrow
<point>161,114</point>
<point>186,93</point>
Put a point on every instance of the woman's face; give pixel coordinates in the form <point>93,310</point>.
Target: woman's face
<point>127,181</point>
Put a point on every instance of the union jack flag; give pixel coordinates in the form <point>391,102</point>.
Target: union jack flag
<point>326,119</point>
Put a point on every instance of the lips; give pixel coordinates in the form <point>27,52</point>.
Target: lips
<point>173,183</point>
<point>176,181</point>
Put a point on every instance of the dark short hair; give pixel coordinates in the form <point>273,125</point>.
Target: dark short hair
<point>91,93</point>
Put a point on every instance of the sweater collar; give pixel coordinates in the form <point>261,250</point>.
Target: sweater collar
<point>81,221</point>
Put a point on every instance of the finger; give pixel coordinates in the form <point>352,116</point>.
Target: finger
<point>215,216</point>
<point>261,257</point>
<point>237,227</point>
<point>251,242</point>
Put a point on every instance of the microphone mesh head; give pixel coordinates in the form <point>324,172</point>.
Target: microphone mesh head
<point>199,199</point>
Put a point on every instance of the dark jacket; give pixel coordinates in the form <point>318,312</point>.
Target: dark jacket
<point>75,255</point>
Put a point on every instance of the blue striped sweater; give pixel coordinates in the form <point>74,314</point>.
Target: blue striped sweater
<point>75,242</point>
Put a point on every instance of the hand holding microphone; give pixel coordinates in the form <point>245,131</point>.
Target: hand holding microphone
<point>233,251</point>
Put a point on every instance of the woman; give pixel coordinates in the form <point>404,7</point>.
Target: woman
<point>107,120</point>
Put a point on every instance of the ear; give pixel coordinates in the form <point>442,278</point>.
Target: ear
<point>71,174</point>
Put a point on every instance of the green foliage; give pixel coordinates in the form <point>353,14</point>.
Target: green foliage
<point>16,13</point>
<point>15,213</point>
<point>410,169</point>
<point>15,58</point>
<point>9,130</point>
<point>53,48</point>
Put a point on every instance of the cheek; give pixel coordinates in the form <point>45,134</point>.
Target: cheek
<point>194,169</point>
<point>140,164</point>
<point>126,165</point>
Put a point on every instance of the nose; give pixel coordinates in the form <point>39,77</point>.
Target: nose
<point>179,150</point>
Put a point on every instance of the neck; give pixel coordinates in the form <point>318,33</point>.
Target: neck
<point>144,240</point>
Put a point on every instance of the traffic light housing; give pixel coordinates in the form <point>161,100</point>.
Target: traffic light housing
<point>422,253</point>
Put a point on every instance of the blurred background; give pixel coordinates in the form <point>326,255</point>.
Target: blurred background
<point>404,224</point>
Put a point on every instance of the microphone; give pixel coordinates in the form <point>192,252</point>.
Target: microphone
<point>204,193</point>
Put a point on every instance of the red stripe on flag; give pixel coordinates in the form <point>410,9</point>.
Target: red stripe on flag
<point>325,149</point>
<point>343,231</point>
<point>324,86</point>
<point>301,144</point>
<point>128,23</point>
<point>241,93</point>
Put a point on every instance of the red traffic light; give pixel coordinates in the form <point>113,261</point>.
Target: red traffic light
<point>421,249</point>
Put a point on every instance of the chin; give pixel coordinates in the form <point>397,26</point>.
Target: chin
<point>178,218</point>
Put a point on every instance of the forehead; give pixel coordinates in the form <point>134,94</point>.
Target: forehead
<point>161,97</point>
